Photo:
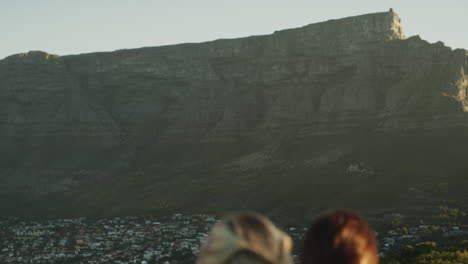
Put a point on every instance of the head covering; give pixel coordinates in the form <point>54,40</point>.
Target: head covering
<point>246,232</point>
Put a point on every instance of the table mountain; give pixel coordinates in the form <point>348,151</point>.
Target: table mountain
<point>346,112</point>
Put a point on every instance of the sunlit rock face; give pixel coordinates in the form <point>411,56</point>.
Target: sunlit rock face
<point>66,122</point>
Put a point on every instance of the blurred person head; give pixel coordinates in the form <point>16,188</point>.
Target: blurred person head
<point>340,237</point>
<point>246,238</point>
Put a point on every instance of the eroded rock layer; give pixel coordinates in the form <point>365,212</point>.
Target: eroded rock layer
<point>179,117</point>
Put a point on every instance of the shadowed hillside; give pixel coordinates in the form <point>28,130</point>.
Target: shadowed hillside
<point>346,112</point>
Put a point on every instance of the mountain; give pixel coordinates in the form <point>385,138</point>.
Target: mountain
<point>346,112</point>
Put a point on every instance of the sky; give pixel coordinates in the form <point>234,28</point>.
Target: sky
<point>66,27</point>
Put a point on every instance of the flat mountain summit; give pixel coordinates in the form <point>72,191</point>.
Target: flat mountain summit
<point>347,112</point>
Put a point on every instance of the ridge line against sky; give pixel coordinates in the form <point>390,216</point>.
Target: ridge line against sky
<point>72,27</point>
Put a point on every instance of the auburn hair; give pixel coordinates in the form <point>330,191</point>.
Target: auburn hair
<point>340,237</point>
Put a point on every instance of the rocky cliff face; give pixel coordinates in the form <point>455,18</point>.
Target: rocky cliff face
<point>225,107</point>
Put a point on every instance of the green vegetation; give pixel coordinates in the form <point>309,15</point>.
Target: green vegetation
<point>429,253</point>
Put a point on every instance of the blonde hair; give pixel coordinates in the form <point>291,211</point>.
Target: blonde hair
<point>246,238</point>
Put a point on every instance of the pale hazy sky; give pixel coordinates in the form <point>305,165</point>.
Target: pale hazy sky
<point>79,26</point>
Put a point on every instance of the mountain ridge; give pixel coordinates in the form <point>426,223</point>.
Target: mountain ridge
<point>397,33</point>
<point>82,129</point>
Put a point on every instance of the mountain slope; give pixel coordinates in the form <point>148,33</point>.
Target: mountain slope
<point>329,114</point>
